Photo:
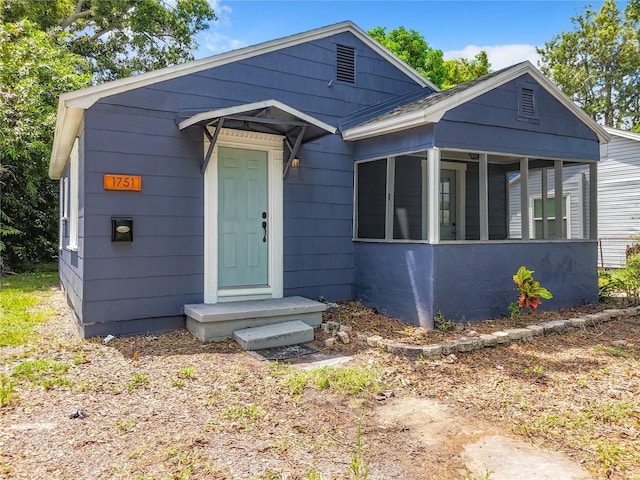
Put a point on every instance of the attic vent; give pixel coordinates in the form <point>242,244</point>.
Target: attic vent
<point>345,64</point>
<point>526,103</point>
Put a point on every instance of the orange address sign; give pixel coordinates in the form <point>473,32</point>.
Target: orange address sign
<point>122,182</point>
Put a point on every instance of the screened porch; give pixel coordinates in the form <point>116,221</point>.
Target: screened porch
<point>446,195</point>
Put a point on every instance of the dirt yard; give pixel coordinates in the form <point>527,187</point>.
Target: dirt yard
<point>169,406</point>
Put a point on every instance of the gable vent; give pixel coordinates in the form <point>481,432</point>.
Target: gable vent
<point>526,102</point>
<point>345,64</point>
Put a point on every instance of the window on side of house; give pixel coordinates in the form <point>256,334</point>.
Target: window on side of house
<point>551,217</point>
<point>74,178</point>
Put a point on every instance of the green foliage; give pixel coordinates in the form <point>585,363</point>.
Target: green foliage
<point>6,390</point>
<point>514,311</point>
<point>35,69</point>
<point>55,46</point>
<point>530,292</point>
<point>597,64</point>
<point>411,47</point>
<point>441,323</point>
<point>461,70</point>
<point>120,37</point>
<point>624,281</point>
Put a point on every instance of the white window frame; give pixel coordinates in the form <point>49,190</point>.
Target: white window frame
<point>532,221</point>
<point>74,199</point>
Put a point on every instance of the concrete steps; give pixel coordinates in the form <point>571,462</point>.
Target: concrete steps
<point>276,335</point>
<point>218,322</point>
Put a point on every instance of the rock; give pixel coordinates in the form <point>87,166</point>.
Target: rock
<point>452,359</point>
<point>330,326</point>
<point>344,337</point>
<point>330,342</point>
<point>108,338</point>
<point>537,330</point>
<point>620,343</point>
<point>346,328</point>
<point>432,351</point>
<point>77,413</point>
<point>472,333</point>
<point>374,340</point>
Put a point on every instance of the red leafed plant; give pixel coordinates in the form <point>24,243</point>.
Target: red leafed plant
<point>530,291</point>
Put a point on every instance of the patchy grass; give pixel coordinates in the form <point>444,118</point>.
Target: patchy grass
<point>353,380</point>
<point>21,298</point>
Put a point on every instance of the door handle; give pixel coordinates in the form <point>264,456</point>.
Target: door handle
<point>264,227</point>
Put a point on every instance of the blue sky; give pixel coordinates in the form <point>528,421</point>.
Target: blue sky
<point>508,30</point>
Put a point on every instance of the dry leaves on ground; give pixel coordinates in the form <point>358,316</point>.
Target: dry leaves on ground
<point>170,406</point>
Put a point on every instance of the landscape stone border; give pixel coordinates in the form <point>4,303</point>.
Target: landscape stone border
<point>499,338</point>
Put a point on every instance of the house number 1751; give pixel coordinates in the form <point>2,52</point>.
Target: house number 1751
<point>122,182</point>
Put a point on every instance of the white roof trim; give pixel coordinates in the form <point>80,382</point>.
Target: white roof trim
<point>223,112</point>
<point>85,98</point>
<point>434,113</point>
<point>623,133</point>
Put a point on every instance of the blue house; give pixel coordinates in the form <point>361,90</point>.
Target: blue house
<point>317,165</point>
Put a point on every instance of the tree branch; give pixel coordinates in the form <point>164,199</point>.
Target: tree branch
<point>67,22</point>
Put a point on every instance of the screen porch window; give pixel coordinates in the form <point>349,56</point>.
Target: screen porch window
<point>551,217</point>
<point>391,199</point>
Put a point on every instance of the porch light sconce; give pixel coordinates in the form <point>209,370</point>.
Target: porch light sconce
<point>122,229</point>
<point>295,163</point>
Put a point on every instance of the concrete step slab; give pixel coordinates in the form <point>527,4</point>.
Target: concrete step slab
<point>275,335</point>
<point>217,322</point>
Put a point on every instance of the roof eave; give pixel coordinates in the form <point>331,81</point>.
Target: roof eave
<point>434,113</point>
<point>396,124</point>
<point>69,120</point>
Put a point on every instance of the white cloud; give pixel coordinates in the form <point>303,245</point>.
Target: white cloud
<point>500,56</point>
<point>223,13</point>
<point>212,43</point>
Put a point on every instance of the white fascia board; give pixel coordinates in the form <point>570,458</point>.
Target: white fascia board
<point>434,113</point>
<point>389,125</point>
<point>622,133</point>
<point>69,120</point>
<point>223,112</point>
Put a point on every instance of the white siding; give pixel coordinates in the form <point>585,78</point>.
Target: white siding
<point>618,196</point>
<point>575,186</point>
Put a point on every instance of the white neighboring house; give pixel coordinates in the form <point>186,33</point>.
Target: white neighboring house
<point>618,196</point>
<point>618,199</point>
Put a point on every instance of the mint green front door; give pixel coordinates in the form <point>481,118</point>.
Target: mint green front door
<point>242,218</point>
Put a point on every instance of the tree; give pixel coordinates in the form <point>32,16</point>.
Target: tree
<point>461,70</point>
<point>120,37</point>
<point>49,47</point>
<point>36,67</point>
<point>412,48</point>
<point>597,64</point>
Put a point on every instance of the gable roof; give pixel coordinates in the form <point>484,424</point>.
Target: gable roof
<point>433,106</point>
<point>71,105</point>
<point>623,133</point>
